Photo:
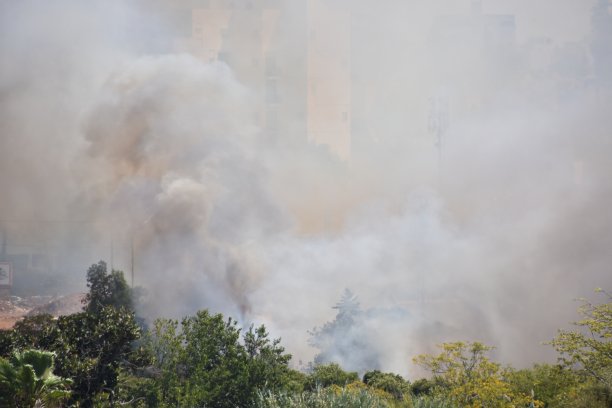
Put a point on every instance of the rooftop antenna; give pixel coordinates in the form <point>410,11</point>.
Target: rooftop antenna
<point>112,253</point>
<point>3,253</point>
<point>132,258</point>
<point>438,123</point>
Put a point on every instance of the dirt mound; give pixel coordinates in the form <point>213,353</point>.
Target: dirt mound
<point>15,308</point>
<point>60,306</point>
<point>10,312</point>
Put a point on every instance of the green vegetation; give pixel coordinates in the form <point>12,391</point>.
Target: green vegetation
<point>325,375</point>
<point>354,395</point>
<point>559,387</point>
<point>106,289</point>
<point>100,357</point>
<point>468,378</point>
<point>433,402</point>
<point>591,348</point>
<point>27,380</point>
<point>390,383</point>
<point>203,362</point>
<point>90,348</point>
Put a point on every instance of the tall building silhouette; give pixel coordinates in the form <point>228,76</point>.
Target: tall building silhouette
<point>601,42</point>
<point>298,67</point>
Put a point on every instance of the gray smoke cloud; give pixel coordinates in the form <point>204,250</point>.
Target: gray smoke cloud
<point>171,150</point>
<point>474,204</point>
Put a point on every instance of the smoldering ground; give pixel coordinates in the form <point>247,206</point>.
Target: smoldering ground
<point>113,145</point>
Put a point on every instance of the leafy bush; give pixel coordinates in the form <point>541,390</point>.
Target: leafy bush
<point>422,387</point>
<point>470,379</point>
<point>589,348</point>
<point>550,384</point>
<point>432,402</point>
<point>324,375</point>
<point>27,380</point>
<point>391,383</point>
<point>89,348</point>
<point>106,289</point>
<point>332,397</point>
<point>204,363</point>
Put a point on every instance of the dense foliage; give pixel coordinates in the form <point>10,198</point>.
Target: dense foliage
<point>27,379</point>
<point>101,357</point>
<point>559,387</point>
<point>468,378</point>
<point>331,397</point>
<point>391,383</point>
<point>205,361</point>
<point>106,289</point>
<point>90,348</point>
<point>590,348</point>
<point>324,375</point>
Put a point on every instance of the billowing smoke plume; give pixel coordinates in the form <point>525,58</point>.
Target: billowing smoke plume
<point>473,201</point>
<point>171,158</point>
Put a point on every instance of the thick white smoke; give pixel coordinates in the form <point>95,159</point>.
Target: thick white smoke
<point>172,160</point>
<point>112,146</point>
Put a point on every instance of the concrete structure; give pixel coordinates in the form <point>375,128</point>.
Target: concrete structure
<point>329,76</point>
<point>299,68</point>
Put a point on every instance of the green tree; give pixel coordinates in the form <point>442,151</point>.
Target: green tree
<point>559,387</point>
<point>589,348</point>
<point>393,384</point>
<point>38,331</point>
<point>214,362</point>
<point>294,381</point>
<point>106,289</point>
<point>422,387</point>
<point>205,362</point>
<point>93,347</point>
<point>90,348</point>
<point>550,384</point>
<point>163,347</point>
<point>470,379</point>
<point>342,340</point>
<point>268,363</point>
<point>27,380</point>
<point>325,375</point>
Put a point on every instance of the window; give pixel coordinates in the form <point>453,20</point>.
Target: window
<point>272,91</point>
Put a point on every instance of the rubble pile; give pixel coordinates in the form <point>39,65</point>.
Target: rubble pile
<point>14,308</point>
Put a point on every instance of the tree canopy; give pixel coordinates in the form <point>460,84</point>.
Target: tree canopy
<point>590,346</point>
<point>101,357</point>
<point>27,380</point>
<point>467,377</point>
<point>106,289</point>
<point>205,361</point>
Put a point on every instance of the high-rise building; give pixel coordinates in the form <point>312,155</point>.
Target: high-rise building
<point>298,67</point>
<point>329,76</point>
<point>601,41</point>
<point>474,54</point>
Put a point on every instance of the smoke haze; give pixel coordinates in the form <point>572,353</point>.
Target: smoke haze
<point>472,202</point>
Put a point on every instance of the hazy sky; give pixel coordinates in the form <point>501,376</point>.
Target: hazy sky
<point>563,20</point>
<point>119,140</point>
